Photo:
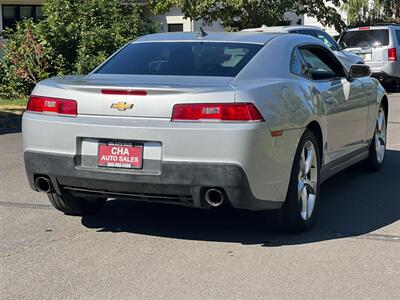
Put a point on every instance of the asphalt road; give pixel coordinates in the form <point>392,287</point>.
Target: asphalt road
<point>143,251</point>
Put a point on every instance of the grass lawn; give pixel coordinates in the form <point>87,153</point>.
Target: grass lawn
<point>12,108</point>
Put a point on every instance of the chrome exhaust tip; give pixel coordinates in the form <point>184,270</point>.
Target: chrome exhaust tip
<point>43,184</point>
<point>214,197</point>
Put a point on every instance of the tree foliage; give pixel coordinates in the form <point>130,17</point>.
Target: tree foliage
<point>362,12</point>
<point>240,14</point>
<point>73,38</point>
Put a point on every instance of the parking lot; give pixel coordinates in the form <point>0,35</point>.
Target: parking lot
<point>146,251</point>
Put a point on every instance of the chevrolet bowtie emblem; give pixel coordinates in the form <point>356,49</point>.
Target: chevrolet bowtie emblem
<point>122,106</point>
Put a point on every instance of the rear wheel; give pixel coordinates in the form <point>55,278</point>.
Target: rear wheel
<point>298,211</point>
<point>77,206</point>
<point>377,149</point>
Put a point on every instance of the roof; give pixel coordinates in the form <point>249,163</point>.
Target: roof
<point>373,27</point>
<point>236,37</point>
<point>280,28</point>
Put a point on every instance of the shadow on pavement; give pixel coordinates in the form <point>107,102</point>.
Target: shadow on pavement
<point>10,123</point>
<point>352,203</point>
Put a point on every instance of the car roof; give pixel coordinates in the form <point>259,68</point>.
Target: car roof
<point>281,28</point>
<point>235,37</point>
<point>388,26</point>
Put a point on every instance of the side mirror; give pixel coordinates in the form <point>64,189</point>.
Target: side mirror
<point>358,71</point>
<point>342,45</point>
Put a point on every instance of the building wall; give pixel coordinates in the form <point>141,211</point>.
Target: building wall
<point>174,16</point>
<point>16,2</point>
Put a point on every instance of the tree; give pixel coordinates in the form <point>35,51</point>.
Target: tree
<point>86,32</point>
<point>74,37</point>
<point>362,12</point>
<point>240,14</point>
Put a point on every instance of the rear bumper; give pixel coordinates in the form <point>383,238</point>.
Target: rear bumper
<point>388,70</point>
<point>178,183</point>
<point>386,78</point>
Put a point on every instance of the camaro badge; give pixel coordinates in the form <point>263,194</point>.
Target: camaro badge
<point>122,106</point>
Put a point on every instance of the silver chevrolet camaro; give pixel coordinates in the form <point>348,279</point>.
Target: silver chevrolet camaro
<point>252,120</point>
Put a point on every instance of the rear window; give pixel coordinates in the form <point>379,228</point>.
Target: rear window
<point>398,36</point>
<point>366,38</point>
<point>181,58</point>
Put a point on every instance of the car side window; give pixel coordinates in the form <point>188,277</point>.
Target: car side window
<point>307,32</point>
<point>327,39</point>
<point>398,36</point>
<point>298,66</point>
<point>321,63</point>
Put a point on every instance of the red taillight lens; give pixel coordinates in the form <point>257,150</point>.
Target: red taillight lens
<point>392,54</point>
<point>124,92</point>
<point>241,112</point>
<point>52,105</point>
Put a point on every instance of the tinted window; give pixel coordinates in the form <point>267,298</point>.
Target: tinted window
<point>366,38</point>
<point>181,58</point>
<point>321,63</point>
<point>297,65</point>
<point>14,13</point>
<point>307,32</point>
<point>327,39</point>
<point>175,27</point>
<point>398,36</point>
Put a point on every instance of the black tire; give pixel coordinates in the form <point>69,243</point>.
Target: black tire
<point>76,206</point>
<point>290,218</point>
<point>372,163</point>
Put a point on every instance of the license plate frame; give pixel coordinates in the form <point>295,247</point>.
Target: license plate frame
<point>105,148</point>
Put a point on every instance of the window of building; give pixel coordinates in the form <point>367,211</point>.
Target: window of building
<point>175,27</point>
<point>14,13</point>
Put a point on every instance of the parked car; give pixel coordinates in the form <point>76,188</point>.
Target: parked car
<point>253,120</point>
<point>379,46</point>
<point>346,57</point>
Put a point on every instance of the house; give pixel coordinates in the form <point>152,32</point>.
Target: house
<point>14,10</point>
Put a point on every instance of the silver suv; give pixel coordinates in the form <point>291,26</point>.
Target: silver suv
<point>347,58</point>
<point>379,46</point>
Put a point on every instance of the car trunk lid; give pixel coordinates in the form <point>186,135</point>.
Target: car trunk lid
<point>145,96</point>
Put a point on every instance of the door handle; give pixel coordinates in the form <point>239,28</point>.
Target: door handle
<point>330,100</point>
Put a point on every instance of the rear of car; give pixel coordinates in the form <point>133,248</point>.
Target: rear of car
<point>379,46</point>
<point>158,121</point>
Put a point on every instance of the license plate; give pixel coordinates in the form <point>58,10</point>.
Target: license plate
<point>116,155</point>
<point>365,56</point>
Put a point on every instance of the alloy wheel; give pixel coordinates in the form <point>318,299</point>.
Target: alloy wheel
<point>307,180</point>
<point>380,136</point>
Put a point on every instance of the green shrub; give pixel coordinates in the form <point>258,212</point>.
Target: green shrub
<point>26,60</point>
<point>74,37</point>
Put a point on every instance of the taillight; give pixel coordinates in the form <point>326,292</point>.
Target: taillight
<point>125,92</point>
<point>239,112</point>
<point>392,54</point>
<point>52,105</point>
<point>364,28</point>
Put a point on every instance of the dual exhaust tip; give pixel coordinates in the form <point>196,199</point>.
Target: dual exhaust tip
<point>43,184</point>
<point>214,196</point>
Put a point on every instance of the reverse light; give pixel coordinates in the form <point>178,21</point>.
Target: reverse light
<point>52,105</point>
<point>235,112</point>
<point>392,54</point>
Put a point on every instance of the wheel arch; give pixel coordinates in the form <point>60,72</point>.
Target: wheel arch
<point>385,103</point>
<point>315,127</point>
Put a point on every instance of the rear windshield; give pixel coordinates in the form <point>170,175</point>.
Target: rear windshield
<point>181,58</point>
<point>366,38</point>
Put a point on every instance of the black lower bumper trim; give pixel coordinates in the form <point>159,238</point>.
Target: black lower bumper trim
<point>178,183</point>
